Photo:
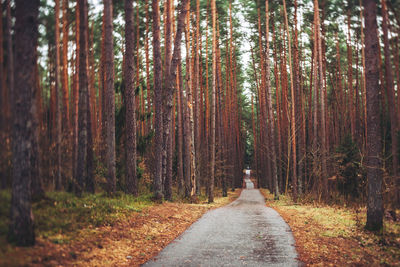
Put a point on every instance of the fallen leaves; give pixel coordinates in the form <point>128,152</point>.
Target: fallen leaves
<point>128,242</point>
<point>333,236</point>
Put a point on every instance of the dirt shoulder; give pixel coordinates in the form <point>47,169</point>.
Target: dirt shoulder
<point>128,242</point>
<point>333,236</point>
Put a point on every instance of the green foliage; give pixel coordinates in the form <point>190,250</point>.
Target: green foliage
<point>350,180</point>
<point>62,213</point>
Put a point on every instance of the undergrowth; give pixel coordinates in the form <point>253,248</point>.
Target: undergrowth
<point>62,214</point>
<point>336,235</point>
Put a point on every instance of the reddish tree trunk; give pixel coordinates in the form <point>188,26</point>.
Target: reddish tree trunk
<point>374,146</point>
<point>109,95</point>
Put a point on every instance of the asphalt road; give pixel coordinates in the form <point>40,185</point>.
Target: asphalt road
<point>243,233</point>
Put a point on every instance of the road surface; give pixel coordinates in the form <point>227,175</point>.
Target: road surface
<point>243,233</point>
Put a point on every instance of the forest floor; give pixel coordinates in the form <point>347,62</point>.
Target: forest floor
<point>335,236</point>
<point>96,230</point>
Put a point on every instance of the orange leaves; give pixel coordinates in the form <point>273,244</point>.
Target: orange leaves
<point>332,236</point>
<point>128,242</point>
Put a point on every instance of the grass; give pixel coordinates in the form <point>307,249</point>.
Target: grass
<point>335,235</point>
<point>97,230</point>
<point>60,216</point>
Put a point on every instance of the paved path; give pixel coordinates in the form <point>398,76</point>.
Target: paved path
<point>243,233</point>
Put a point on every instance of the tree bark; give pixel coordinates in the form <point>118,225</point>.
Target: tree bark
<point>374,146</point>
<point>109,95</point>
<point>293,108</point>
<point>65,87</point>
<point>390,91</point>
<point>130,107</point>
<point>158,92</point>
<point>270,111</point>
<point>81,169</point>
<point>57,178</point>
<point>167,105</point>
<point>21,229</point>
<point>213,92</point>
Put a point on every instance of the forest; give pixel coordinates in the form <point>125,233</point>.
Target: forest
<point>130,113</point>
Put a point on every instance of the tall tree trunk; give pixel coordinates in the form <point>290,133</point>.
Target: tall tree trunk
<point>293,116</point>
<point>109,95</point>
<point>81,171</point>
<point>21,228</point>
<point>89,181</point>
<point>75,99</point>
<point>3,88</point>
<point>189,91</point>
<point>299,104</point>
<point>350,81</point>
<point>390,92</point>
<point>374,146</point>
<point>213,92</point>
<point>321,85</point>
<point>10,59</point>
<point>364,98</point>
<point>197,102</point>
<point>170,86</point>
<point>167,146</point>
<point>36,178</point>
<point>158,92</point>
<point>57,178</point>
<point>270,111</point>
<point>147,55</point>
<point>66,125</point>
<point>180,129</point>
<point>130,108</point>
<point>7,91</point>
<point>65,87</point>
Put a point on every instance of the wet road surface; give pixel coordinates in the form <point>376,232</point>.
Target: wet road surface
<point>243,233</point>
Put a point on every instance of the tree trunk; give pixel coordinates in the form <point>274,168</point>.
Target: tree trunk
<point>130,108</point>
<point>167,105</point>
<point>147,55</point>
<point>57,178</point>
<point>7,88</point>
<point>213,92</point>
<point>75,100</point>
<point>65,87</point>
<point>196,89</point>
<point>21,229</point>
<point>321,85</point>
<point>374,146</point>
<point>158,92</point>
<point>180,129</point>
<point>293,116</point>
<point>36,170</point>
<point>350,81</point>
<point>170,86</point>
<point>270,111</point>
<point>390,92</point>
<point>109,95</point>
<point>3,87</point>
<point>81,169</point>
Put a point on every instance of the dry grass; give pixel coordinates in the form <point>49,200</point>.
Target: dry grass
<point>334,236</point>
<point>131,241</point>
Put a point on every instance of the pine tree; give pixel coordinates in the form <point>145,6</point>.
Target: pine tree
<point>130,107</point>
<point>109,95</point>
<point>21,229</point>
<point>374,146</point>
